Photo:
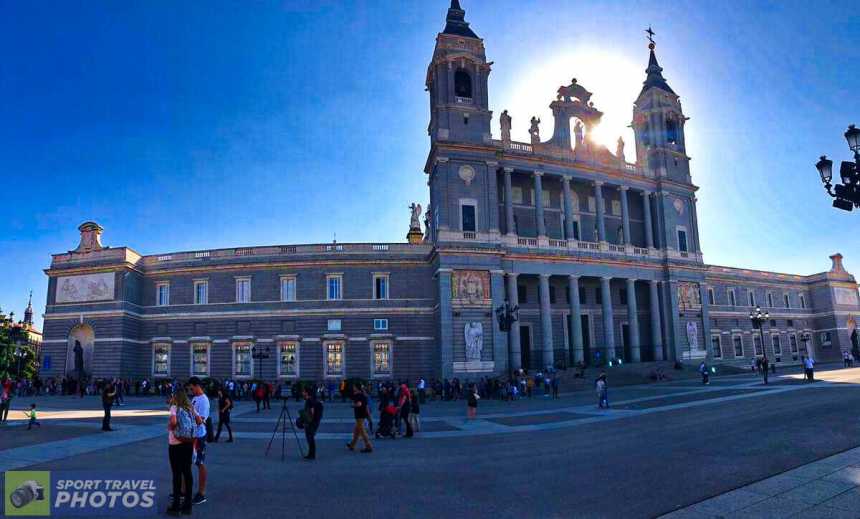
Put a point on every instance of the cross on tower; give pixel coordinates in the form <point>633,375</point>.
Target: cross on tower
<point>650,34</point>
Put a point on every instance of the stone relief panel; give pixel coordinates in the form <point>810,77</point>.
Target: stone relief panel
<point>845,296</point>
<point>471,287</point>
<point>689,298</point>
<point>86,288</point>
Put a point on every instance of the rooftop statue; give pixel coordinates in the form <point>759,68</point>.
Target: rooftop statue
<point>573,91</point>
<point>534,130</point>
<point>415,220</point>
<point>619,150</point>
<point>505,122</point>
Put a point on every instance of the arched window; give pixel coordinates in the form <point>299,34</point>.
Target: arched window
<point>462,84</point>
<point>671,131</point>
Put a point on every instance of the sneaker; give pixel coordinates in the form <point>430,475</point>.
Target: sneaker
<point>199,499</point>
<point>350,447</point>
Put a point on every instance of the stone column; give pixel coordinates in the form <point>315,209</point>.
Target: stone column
<point>568,208</point>
<point>546,322</point>
<point>541,225</point>
<point>656,333</point>
<point>694,224</point>
<point>509,202</point>
<point>625,216</point>
<point>514,335</point>
<point>575,318</point>
<point>633,320</point>
<point>598,199</point>
<point>446,353</point>
<point>646,208</point>
<point>608,320</point>
<point>493,198</point>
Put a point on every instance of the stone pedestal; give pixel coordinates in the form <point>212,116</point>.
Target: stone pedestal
<point>415,236</point>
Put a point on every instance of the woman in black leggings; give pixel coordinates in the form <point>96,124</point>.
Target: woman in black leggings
<point>180,453</point>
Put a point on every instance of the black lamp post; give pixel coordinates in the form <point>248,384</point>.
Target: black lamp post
<point>507,315</point>
<point>19,355</point>
<point>804,338</point>
<point>846,194</point>
<point>758,319</point>
<point>258,353</point>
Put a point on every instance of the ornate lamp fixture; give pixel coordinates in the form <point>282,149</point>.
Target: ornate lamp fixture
<point>847,194</point>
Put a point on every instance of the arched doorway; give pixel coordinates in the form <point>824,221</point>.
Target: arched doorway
<point>79,354</point>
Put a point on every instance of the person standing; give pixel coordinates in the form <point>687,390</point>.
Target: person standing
<point>422,390</point>
<point>108,394</point>
<point>267,395</point>
<point>118,388</point>
<point>404,406</point>
<point>225,405</point>
<point>313,417</point>
<point>180,449</point>
<point>845,359</point>
<point>472,402</point>
<point>200,403</point>
<point>361,413</point>
<point>703,369</point>
<point>764,366</point>
<point>602,392</point>
<point>555,383</point>
<point>809,366</point>
<point>5,400</point>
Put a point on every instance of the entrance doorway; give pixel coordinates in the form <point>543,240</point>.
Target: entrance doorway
<point>525,346</point>
<point>625,341</point>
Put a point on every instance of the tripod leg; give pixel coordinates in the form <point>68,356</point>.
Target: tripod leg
<point>295,434</point>
<point>277,426</point>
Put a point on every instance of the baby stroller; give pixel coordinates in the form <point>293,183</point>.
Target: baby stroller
<point>385,428</point>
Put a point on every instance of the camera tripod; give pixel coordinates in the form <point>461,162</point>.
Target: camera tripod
<point>285,419</point>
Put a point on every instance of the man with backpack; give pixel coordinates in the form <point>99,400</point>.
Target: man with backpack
<point>311,417</point>
<point>200,403</point>
<point>108,394</point>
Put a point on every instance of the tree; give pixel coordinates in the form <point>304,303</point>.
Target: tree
<point>17,354</point>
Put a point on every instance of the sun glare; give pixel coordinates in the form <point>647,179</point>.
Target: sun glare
<point>614,80</point>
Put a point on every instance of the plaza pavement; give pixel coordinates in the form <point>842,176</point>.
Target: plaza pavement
<point>662,448</point>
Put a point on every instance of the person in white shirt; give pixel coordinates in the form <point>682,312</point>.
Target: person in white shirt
<point>422,390</point>
<point>200,402</point>
<point>808,365</point>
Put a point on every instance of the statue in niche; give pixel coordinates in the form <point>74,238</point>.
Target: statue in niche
<point>578,135</point>
<point>619,150</point>
<point>505,122</point>
<point>415,220</point>
<point>473,332</point>
<point>79,358</point>
<point>534,130</point>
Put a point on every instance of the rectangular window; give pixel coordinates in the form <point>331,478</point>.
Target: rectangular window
<point>712,300</point>
<point>575,230</point>
<point>288,359</point>
<point>200,359</point>
<point>201,292</point>
<point>769,300</point>
<point>334,288</point>
<point>552,295</point>
<point>242,360</point>
<point>789,323</point>
<point>592,204</point>
<point>739,345</point>
<point>288,288</point>
<point>802,302</point>
<point>792,343</point>
<point>715,346</point>
<point>622,296</point>
<point>160,360</point>
<point>380,324</point>
<point>334,359</point>
<point>598,296</point>
<point>825,339</point>
<point>381,358</point>
<point>517,195</point>
<point>732,300</point>
<point>335,325</point>
<point>468,218</point>
<point>545,198</point>
<point>162,291</point>
<point>522,295</point>
<point>757,345</point>
<point>243,290</point>
<point>777,346</point>
<point>682,240</point>
<point>786,300</point>
<point>582,297</point>
<point>380,286</point>
<point>751,297</point>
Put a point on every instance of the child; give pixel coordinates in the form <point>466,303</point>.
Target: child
<point>32,414</point>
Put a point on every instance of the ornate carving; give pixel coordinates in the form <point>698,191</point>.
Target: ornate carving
<point>473,332</point>
<point>678,204</point>
<point>80,289</point>
<point>467,174</point>
<point>575,91</point>
<point>693,335</point>
<point>91,237</point>
<point>471,286</point>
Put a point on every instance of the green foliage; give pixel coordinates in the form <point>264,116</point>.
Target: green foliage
<point>9,361</point>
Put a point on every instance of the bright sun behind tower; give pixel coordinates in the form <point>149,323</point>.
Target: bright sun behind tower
<point>614,79</point>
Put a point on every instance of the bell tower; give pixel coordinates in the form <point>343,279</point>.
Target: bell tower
<point>457,83</point>
<point>658,124</point>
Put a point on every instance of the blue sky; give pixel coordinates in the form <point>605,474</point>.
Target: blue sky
<point>193,125</point>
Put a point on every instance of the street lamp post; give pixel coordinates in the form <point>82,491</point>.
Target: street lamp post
<point>758,319</point>
<point>19,355</point>
<point>258,353</point>
<point>507,315</point>
<point>847,194</point>
<point>804,338</point>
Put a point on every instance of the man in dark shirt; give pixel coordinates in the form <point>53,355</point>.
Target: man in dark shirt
<point>359,407</point>
<point>313,416</point>
<point>108,395</point>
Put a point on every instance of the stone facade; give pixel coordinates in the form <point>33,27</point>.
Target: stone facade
<point>561,228</point>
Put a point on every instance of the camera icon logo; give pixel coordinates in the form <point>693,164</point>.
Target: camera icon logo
<point>27,493</point>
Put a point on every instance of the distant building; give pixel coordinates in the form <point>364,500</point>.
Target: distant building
<point>602,256</point>
<point>24,332</point>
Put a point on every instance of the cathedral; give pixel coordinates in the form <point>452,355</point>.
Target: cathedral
<point>553,252</point>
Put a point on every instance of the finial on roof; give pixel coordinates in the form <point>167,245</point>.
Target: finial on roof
<point>654,71</point>
<point>456,23</point>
